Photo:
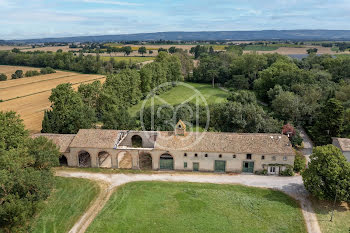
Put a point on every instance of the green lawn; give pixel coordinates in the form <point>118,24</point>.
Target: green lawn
<point>180,94</point>
<point>68,201</point>
<point>260,48</point>
<point>341,219</point>
<point>133,59</point>
<point>192,207</point>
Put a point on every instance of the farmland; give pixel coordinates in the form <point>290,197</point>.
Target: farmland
<point>9,70</point>
<point>191,207</point>
<point>132,59</point>
<point>29,96</point>
<point>49,49</point>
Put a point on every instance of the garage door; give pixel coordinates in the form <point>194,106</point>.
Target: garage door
<point>166,162</point>
<point>220,166</point>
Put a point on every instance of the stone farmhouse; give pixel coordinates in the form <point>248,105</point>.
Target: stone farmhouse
<point>175,150</point>
<point>344,145</point>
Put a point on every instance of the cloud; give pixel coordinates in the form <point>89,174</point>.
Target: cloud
<point>113,2</point>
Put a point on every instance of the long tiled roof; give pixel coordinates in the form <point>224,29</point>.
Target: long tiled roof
<point>95,138</point>
<point>344,143</point>
<point>226,142</point>
<point>63,141</point>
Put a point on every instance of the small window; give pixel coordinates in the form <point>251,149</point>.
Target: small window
<point>206,155</point>
<point>262,157</point>
<point>220,156</point>
<point>234,156</point>
<point>185,154</point>
<point>195,155</point>
<point>285,158</point>
<point>273,158</point>
<point>249,156</point>
<point>185,164</point>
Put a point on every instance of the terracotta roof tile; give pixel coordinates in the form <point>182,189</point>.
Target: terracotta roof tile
<point>63,141</point>
<point>95,138</point>
<point>344,143</point>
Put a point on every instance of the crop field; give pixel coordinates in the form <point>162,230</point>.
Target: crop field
<point>69,199</point>
<point>9,70</point>
<point>49,49</point>
<point>260,48</point>
<point>29,96</point>
<point>179,94</point>
<point>5,47</point>
<point>192,207</point>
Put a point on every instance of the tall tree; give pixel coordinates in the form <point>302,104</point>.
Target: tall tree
<point>142,50</point>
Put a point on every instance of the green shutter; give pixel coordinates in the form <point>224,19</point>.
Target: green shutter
<point>166,164</point>
<point>196,167</point>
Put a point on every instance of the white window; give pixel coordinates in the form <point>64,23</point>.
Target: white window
<point>285,158</point>
<point>272,169</point>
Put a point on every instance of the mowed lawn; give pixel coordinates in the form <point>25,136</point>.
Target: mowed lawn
<point>180,94</point>
<point>69,200</point>
<point>193,207</point>
<point>341,218</point>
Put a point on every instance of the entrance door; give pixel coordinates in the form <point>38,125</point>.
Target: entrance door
<point>195,167</point>
<point>248,167</point>
<point>220,166</point>
<point>166,162</point>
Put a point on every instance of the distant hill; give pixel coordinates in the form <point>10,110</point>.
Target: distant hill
<point>212,35</point>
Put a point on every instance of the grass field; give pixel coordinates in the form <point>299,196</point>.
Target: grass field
<point>132,59</point>
<point>341,219</point>
<point>68,201</point>
<point>190,207</point>
<point>180,94</point>
<point>29,96</point>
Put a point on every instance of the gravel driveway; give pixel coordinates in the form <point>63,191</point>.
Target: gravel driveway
<point>292,186</point>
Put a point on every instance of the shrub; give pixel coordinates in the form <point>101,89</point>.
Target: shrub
<point>47,70</point>
<point>299,162</point>
<point>31,73</point>
<point>287,172</point>
<point>3,77</point>
<point>17,74</point>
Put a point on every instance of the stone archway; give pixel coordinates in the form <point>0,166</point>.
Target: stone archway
<point>166,162</point>
<point>124,160</point>
<point>136,141</point>
<point>84,159</point>
<point>63,160</point>
<point>145,161</point>
<point>104,159</point>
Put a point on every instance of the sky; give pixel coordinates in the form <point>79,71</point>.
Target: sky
<point>25,19</point>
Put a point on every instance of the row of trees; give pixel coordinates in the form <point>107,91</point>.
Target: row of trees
<point>26,178</point>
<point>108,103</point>
<point>64,61</point>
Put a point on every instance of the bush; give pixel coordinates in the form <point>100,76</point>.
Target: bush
<point>287,172</point>
<point>17,74</point>
<point>3,77</point>
<point>47,70</point>
<point>263,172</point>
<point>31,73</point>
<point>299,162</point>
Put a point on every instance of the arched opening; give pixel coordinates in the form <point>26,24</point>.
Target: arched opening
<point>63,160</point>
<point>166,162</point>
<point>136,141</point>
<point>104,159</point>
<point>145,161</point>
<point>84,159</point>
<point>124,160</point>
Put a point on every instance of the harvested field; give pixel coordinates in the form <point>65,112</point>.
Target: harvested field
<point>29,96</point>
<point>5,47</point>
<point>291,50</point>
<point>50,49</point>
<point>9,70</point>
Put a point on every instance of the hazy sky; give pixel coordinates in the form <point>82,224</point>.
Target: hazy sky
<point>58,18</point>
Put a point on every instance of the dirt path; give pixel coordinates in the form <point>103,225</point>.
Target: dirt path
<point>292,186</point>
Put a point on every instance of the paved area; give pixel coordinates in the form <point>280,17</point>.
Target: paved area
<point>292,186</point>
<point>308,145</point>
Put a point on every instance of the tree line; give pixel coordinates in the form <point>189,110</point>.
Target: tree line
<point>108,103</point>
<point>313,92</point>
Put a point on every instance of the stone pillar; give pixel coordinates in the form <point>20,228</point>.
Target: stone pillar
<point>94,159</point>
